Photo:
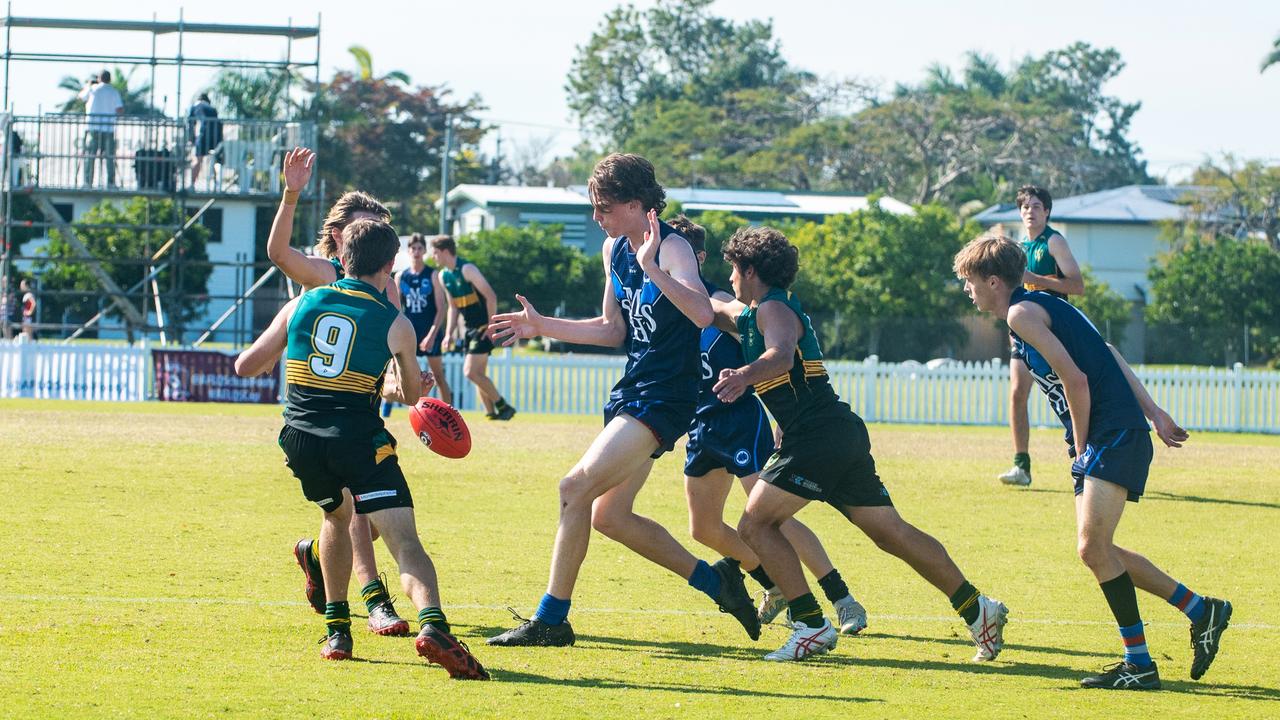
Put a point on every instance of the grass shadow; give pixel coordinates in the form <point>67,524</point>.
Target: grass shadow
<point>633,684</point>
<point>1174,497</point>
<point>968,644</point>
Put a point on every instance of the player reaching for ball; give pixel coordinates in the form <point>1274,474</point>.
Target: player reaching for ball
<point>655,303</point>
<point>734,439</point>
<point>825,453</point>
<point>1104,408</point>
<point>338,339</point>
<point>312,272</point>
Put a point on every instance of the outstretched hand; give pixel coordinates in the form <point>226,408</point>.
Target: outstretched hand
<point>648,253</point>
<point>731,385</point>
<point>1169,432</point>
<point>298,164</point>
<point>507,328</point>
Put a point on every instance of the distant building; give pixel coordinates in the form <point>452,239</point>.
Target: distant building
<point>1116,233</point>
<point>484,207</point>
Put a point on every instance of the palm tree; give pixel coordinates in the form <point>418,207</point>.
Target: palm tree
<point>1272,57</point>
<point>364,63</point>
<point>261,95</point>
<point>136,99</point>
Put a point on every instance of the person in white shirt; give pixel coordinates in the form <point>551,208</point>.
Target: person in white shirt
<point>102,104</point>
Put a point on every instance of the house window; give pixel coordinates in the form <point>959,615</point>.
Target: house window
<point>66,211</point>
<point>211,219</point>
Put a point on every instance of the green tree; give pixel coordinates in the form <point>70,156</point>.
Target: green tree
<point>1272,57</point>
<point>364,67</point>
<point>532,261</point>
<point>1243,200</point>
<point>719,226</point>
<point>123,253</point>
<point>881,284</point>
<point>1210,293</point>
<point>135,97</point>
<point>253,94</point>
<point>1108,309</point>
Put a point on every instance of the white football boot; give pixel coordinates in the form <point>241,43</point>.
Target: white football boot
<point>805,641</point>
<point>1016,476</point>
<point>850,615</point>
<point>988,629</point>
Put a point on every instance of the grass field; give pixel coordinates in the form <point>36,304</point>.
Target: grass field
<point>147,573</point>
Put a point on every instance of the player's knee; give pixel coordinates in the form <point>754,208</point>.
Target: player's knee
<point>575,490</point>
<point>607,520</point>
<point>889,536</point>
<point>702,531</point>
<point>1092,551</point>
<point>749,527</point>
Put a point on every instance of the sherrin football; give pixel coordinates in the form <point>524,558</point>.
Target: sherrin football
<point>440,427</point>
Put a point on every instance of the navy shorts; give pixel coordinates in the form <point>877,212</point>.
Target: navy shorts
<point>1122,457</point>
<point>367,467</point>
<point>832,464</point>
<point>434,350</point>
<point>739,441</point>
<point>667,420</point>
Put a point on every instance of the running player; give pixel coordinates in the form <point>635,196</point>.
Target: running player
<point>825,453</point>
<point>312,272</point>
<point>473,300</point>
<point>1102,405</point>
<point>423,297</point>
<point>734,440</point>
<point>338,340</point>
<point>1052,268</point>
<point>655,303</point>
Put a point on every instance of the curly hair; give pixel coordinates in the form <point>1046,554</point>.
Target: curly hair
<point>990,255</point>
<point>774,258</point>
<point>623,177</point>
<point>691,231</point>
<point>341,214</point>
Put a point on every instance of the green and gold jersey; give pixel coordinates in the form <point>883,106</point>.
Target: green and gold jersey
<point>803,393</point>
<point>1039,260</point>
<point>463,295</point>
<point>335,359</point>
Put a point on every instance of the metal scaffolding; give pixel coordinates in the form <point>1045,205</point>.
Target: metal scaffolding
<point>54,162</point>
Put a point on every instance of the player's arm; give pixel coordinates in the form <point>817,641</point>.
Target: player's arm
<point>442,300</point>
<point>1071,282</point>
<point>1169,432</point>
<point>473,275</point>
<point>404,381</point>
<point>451,329</point>
<point>307,271</point>
<point>393,292</point>
<point>607,329</point>
<point>727,308</point>
<point>781,331</point>
<point>265,351</point>
<point>676,275</point>
<point>1031,323</point>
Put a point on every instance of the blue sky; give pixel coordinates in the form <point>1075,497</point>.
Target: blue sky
<point>1194,65</point>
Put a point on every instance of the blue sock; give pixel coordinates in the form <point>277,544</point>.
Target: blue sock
<point>1191,604</point>
<point>1135,646</point>
<point>552,610</point>
<point>705,579</point>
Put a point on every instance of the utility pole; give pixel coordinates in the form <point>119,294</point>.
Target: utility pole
<point>444,174</point>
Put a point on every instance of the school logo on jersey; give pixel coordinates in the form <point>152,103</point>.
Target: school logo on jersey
<point>639,314</point>
<point>1044,376</point>
<point>415,301</point>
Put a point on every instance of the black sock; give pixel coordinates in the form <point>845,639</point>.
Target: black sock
<point>965,602</point>
<point>833,586</point>
<point>805,609</point>
<point>500,405</point>
<point>1122,598</point>
<point>762,577</point>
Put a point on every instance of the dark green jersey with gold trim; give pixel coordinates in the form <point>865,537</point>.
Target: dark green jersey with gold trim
<point>1040,261</point>
<point>335,359</point>
<point>463,295</point>
<point>802,397</point>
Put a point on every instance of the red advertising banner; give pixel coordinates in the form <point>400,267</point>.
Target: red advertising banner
<point>207,376</point>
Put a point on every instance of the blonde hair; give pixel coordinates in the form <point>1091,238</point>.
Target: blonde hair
<point>991,254</point>
<point>341,214</point>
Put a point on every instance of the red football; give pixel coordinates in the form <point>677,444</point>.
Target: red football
<point>440,427</point>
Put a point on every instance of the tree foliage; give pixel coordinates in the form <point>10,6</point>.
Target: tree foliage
<point>136,97</point>
<point>532,261</point>
<point>1106,308</point>
<point>123,253</point>
<point>253,94</point>
<point>1243,200</point>
<point>1210,293</point>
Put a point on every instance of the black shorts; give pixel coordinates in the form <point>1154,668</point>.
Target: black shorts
<point>832,464</point>
<point>737,440</point>
<point>1122,457</point>
<point>665,419</point>
<point>476,342</point>
<point>367,467</point>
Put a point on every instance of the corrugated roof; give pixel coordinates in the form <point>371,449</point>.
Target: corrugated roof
<point>519,195</point>
<point>1128,204</point>
<point>694,199</point>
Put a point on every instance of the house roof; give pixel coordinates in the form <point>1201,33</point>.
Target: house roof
<point>766,202</point>
<point>1128,204</point>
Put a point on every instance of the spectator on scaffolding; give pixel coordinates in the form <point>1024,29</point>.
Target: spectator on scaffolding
<point>102,104</point>
<point>28,310</point>
<point>209,135</point>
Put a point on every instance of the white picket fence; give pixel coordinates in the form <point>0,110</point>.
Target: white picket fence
<point>976,393</point>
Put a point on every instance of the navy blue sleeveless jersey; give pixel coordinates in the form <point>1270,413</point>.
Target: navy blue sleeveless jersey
<point>1113,406</point>
<point>418,298</point>
<point>718,351</point>
<point>662,343</point>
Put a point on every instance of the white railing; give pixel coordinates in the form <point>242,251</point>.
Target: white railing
<point>74,372</point>
<point>976,393</point>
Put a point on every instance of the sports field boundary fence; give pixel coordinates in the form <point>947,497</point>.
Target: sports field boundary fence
<point>1235,399</point>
